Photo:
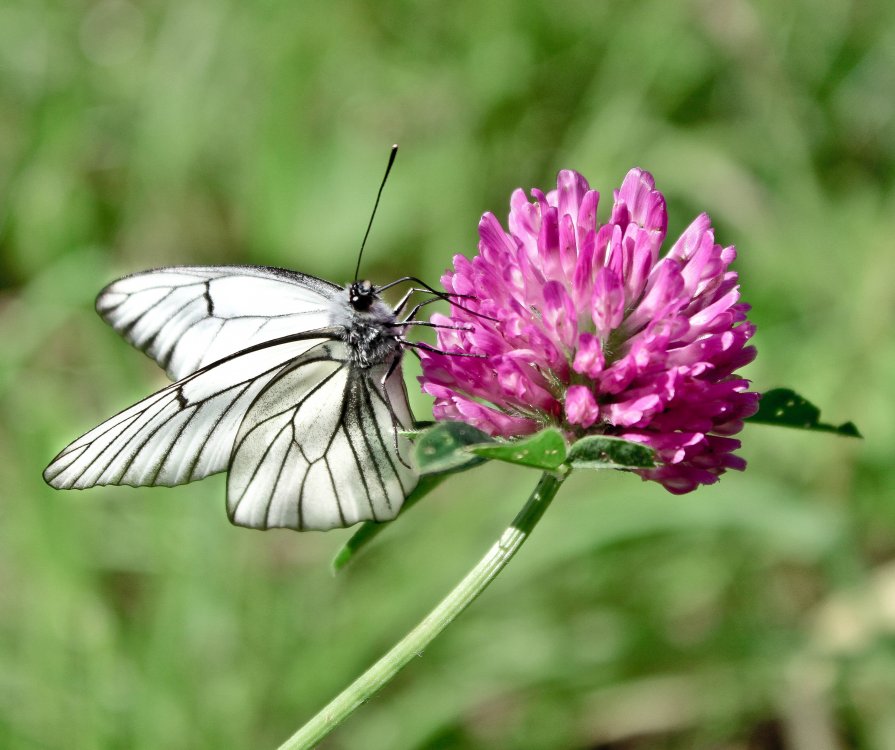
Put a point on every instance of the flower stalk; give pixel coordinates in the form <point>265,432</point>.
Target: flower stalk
<point>418,639</point>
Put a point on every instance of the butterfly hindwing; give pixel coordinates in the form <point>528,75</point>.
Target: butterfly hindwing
<point>319,448</point>
<point>188,317</point>
<point>181,433</point>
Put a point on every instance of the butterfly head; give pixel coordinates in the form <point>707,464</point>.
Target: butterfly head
<point>361,295</point>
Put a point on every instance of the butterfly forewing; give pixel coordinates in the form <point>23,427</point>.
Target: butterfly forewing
<point>188,317</point>
<point>319,447</point>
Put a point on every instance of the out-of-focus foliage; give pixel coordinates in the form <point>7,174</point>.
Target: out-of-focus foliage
<point>754,614</point>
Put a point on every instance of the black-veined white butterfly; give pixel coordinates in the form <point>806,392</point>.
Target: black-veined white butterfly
<point>290,383</point>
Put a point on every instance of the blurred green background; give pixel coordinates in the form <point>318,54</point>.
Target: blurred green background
<point>758,613</point>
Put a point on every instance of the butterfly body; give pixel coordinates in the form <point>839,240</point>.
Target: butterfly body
<point>288,382</point>
<point>369,326</point>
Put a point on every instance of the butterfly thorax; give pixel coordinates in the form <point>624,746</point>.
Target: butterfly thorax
<point>369,325</point>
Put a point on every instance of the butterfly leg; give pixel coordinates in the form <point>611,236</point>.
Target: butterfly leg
<point>447,296</point>
<point>426,287</point>
<point>427,348</point>
<point>416,308</point>
<point>410,292</point>
<point>406,298</point>
<point>432,325</point>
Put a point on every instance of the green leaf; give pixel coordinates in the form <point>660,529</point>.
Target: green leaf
<point>544,450</point>
<point>369,530</point>
<point>442,448</point>
<point>604,452</point>
<point>786,408</point>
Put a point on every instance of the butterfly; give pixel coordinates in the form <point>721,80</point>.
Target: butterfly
<point>289,383</point>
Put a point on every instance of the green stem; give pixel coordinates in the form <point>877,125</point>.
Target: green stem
<point>413,644</point>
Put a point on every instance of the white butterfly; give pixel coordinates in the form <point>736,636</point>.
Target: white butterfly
<point>290,383</point>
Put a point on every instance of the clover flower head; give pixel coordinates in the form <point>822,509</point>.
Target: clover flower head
<point>584,326</point>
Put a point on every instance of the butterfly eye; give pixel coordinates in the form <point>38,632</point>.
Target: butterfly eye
<point>361,295</point>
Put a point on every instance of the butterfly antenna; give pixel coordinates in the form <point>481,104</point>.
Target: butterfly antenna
<point>391,160</point>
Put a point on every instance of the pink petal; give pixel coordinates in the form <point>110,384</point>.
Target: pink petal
<point>587,214</point>
<point>608,302</point>
<point>589,357</point>
<point>571,188</point>
<point>559,315</point>
<point>581,406</point>
<point>548,246</point>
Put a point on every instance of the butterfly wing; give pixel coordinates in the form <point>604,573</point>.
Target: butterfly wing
<point>320,448</point>
<point>188,317</point>
<point>185,431</point>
